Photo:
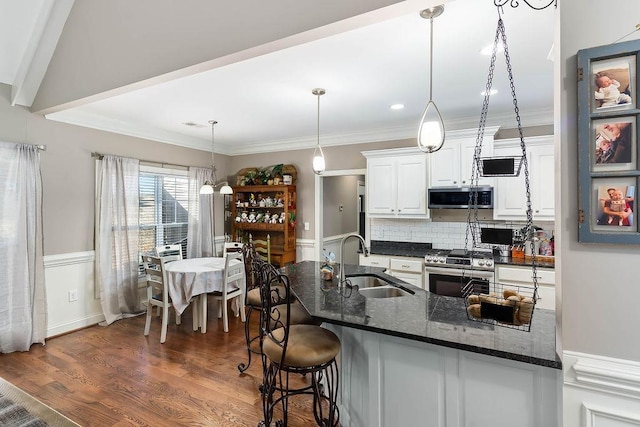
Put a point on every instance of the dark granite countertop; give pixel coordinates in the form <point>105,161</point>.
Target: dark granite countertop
<point>408,249</point>
<point>419,250</point>
<point>423,317</point>
<point>541,262</point>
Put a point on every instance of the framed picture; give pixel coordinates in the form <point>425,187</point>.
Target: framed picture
<point>613,147</point>
<point>608,144</point>
<point>613,83</point>
<point>614,201</point>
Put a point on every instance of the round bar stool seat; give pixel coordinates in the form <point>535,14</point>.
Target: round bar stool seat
<point>308,345</point>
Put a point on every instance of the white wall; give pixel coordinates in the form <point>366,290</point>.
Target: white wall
<point>598,314</point>
<point>599,327</point>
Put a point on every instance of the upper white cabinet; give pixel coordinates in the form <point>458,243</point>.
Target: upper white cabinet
<point>451,166</point>
<point>510,198</point>
<point>397,183</point>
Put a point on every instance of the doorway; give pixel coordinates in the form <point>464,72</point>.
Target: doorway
<point>339,211</point>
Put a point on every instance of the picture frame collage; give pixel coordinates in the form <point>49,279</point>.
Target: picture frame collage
<point>608,142</point>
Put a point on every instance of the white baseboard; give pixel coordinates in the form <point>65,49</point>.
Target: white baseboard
<point>74,325</point>
<point>600,391</point>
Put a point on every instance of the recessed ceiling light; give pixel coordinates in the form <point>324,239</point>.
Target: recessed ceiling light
<point>397,106</point>
<point>194,124</point>
<point>491,92</point>
<point>489,49</point>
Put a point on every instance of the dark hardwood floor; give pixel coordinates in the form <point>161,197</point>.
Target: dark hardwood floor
<point>115,376</point>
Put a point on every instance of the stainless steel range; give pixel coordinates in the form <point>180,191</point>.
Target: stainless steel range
<point>460,258</point>
<point>447,270</point>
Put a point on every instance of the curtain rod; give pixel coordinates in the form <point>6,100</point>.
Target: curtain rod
<point>99,156</point>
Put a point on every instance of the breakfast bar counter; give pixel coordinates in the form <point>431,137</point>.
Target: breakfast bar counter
<point>422,316</point>
<point>418,360</point>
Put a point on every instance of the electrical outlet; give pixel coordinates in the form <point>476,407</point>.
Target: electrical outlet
<point>73,295</point>
<point>306,226</point>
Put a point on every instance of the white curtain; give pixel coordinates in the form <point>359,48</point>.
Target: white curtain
<point>117,235</point>
<point>199,232</point>
<point>23,307</point>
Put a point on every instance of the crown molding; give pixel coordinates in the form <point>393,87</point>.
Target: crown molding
<point>456,128</point>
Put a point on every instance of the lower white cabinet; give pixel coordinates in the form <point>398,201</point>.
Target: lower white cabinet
<point>374,261</point>
<point>521,275</point>
<point>408,269</point>
<point>391,381</point>
<point>411,270</point>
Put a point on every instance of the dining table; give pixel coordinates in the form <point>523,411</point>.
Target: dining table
<point>196,277</point>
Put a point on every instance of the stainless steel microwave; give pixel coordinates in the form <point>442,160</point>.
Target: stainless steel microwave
<point>459,197</point>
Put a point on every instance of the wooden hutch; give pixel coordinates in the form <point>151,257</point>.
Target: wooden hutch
<point>253,208</point>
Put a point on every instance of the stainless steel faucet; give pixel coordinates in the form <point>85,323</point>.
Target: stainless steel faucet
<point>342,278</point>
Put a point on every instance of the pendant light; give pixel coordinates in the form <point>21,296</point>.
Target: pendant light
<point>209,186</point>
<point>318,156</point>
<point>431,131</point>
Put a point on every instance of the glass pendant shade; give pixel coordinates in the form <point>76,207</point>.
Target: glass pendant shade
<point>431,131</point>
<point>319,164</point>
<point>207,188</point>
<point>226,190</point>
<point>318,160</point>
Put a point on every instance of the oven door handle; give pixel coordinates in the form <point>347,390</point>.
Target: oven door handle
<point>457,272</point>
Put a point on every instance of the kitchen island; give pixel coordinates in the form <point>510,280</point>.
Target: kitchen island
<point>418,359</point>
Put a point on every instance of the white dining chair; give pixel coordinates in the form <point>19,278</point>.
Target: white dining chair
<point>157,294</point>
<point>231,247</point>
<point>234,275</point>
<point>172,251</point>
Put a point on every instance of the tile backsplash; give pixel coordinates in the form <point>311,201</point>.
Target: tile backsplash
<point>442,234</point>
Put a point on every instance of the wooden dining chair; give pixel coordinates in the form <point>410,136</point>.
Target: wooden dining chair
<point>234,277</point>
<point>157,293</point>
<point>262,247</point>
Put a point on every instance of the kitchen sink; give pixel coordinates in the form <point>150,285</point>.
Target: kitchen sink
<point>376,287</point>
<point>366,281</point>
<point>383,292</point>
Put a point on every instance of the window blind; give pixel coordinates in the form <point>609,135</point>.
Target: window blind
<point>163,208</point>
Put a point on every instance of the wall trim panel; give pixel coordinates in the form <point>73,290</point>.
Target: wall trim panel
<point>613,383</point>
<point>68,259</point>
<point>305,250</point>
<point>604,374</point>
<point>67,272</point>
<point>597,415</point>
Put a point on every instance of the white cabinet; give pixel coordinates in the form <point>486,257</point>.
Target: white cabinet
<point>408,269</point>
<point>397,183</point>
<point>517,275</point>
<point>451,166</point>
<point>391,381</point>
<point>510,198</point>
<point>374,261</point>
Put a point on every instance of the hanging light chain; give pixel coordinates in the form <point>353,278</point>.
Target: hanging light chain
<point>213,146</point>
<point>431,59</point>
<point>317,92</point>
<point>516,3</point>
